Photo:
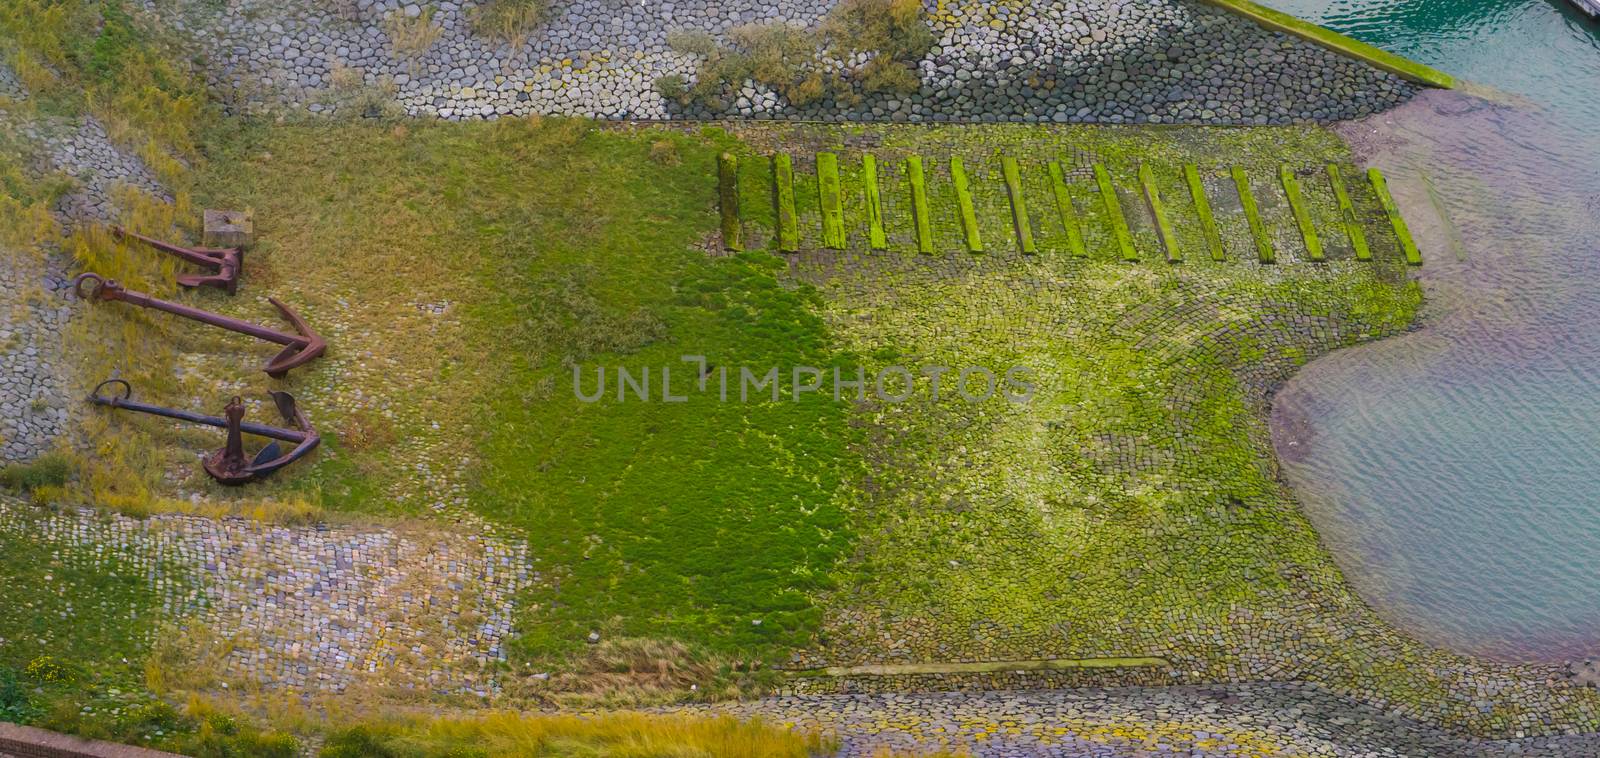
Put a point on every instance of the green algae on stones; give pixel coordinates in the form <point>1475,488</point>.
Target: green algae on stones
<point>1302,216</point>
<point>1347,214</point>
<point>969,216</point>
<point>1202,208</point>
<point>832,206</point>
<point>1402,233</point>
<point>1019,206</point>
<point>1152,196</point>
<point>728,200</point>
<point>1252,214</point>
<point>919,204</point>
<point>1064,209</point>
<point>1119,222</point>
<point>876,237</point>
<point>783,197</point>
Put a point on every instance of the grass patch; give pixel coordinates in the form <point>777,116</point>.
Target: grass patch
<point>612,735</point>
<point>48,470</point>
<point>704,522</point>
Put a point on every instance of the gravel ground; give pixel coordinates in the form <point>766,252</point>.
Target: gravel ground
<point>1106,61</point>
<point>1237,720</point>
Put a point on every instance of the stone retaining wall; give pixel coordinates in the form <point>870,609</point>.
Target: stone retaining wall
<point>1104,61</point>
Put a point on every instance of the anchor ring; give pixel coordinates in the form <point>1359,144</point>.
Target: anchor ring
<point>127,392</point>
<point>100,283</point>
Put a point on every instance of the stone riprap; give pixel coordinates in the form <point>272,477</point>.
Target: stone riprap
<point>1102,61</point>
<point>1266,719</point>
<point>321,609</point>
<point>34,404</point>
<point>33,398</point>
<point>87,154</point>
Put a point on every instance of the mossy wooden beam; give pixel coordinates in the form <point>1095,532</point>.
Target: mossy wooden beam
<point>1377,58</point>
<point>783,199</point>
<point>1158,212</point>
<point>969,214</point>
<point>919,204</point>
<point>829,199</point>
<point>1347,215</point>
<point>1064,209</point>
<point>983,667</point>
<point>876,237</point>
<point>1119,222</point>
<point>728,200</point>
<point>1408,246</point>
<point>1019,206</point>
<point>1252,214</point>
<point>1302,212</point>
<point>1202,208</point>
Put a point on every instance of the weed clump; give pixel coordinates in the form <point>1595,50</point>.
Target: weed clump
<point>509,21</point>
<point>863,47</point>
<point>412,36</point>
<point>48,470</point>
<point>610,734</point>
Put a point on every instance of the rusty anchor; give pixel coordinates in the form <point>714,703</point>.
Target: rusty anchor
<point>299,348</point>
<point>229,465</point>
<point>226,262</point>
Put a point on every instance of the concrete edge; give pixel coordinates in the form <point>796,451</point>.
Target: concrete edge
<point>30,742</point>
<point>1050,664</point>
<point>1277,20</point>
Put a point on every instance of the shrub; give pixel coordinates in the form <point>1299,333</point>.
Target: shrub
<point>411,37</point>
<point>509,21</point>
<point>673,87</point>
<point>871,46</point>
<point>48,470</point>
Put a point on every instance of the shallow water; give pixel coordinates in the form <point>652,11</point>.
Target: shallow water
<point>1455,471</point>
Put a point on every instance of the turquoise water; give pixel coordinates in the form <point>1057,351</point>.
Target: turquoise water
<point>1455,471</point>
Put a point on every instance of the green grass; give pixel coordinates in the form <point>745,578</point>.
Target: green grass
<point>707,522</point>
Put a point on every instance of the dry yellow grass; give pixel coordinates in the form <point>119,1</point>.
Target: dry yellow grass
<point>608,735</point>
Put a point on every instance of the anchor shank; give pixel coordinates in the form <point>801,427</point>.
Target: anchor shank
<point>214,319</point>
<point>248,427</point>
<point>192,256</point>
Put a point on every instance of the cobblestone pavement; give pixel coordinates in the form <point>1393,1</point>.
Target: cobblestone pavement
<point>1157,61</point>
<point>1239,720</point>
<point>323,609</point>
